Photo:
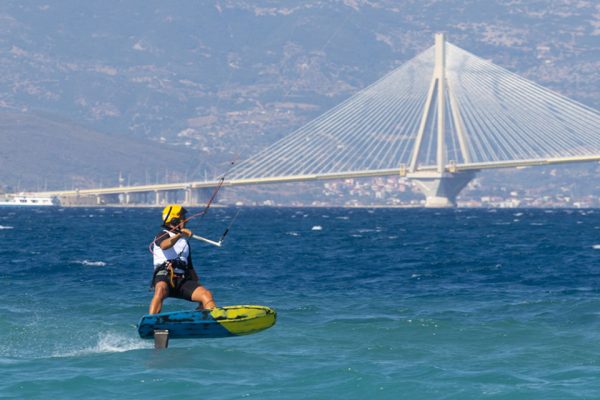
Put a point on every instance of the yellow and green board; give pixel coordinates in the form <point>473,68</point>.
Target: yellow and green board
<point>216,323</point>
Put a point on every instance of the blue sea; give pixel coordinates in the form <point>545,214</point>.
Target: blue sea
<point>371,303</point>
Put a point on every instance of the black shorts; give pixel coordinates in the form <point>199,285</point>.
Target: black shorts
<point>183,287</point>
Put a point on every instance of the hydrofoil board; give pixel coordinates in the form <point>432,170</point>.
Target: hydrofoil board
<point>216,323</point>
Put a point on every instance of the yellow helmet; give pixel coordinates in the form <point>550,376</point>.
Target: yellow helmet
<point>173,214</point>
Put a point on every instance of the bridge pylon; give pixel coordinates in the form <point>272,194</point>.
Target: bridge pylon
<point>441,188</point>
<point>442,185</point>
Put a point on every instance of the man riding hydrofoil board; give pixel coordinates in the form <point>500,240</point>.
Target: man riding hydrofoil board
<point>174,274</point>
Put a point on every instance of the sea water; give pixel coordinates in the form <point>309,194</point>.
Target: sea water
<point>371,303</point>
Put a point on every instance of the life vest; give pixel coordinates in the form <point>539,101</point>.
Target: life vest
<point>180,251</point>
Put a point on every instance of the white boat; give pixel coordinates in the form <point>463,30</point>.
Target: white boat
<point>27,201</point>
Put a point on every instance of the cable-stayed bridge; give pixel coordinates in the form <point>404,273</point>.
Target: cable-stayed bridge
<point>437,119</point>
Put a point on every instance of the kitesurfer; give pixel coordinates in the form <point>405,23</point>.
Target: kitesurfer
<point>174,274</point>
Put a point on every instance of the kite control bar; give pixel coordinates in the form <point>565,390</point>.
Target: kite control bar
<point>220,242</point>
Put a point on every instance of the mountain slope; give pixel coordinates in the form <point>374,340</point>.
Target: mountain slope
<point>37,152</point>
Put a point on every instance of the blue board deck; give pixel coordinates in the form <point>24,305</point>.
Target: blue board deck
<point>217,323</point>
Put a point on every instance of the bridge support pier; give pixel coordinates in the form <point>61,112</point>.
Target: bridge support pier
<point>188,196</point>
<point>125,198</point>
<point>441,189</point>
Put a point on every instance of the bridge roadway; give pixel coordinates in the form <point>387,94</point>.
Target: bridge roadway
<point>401,171</point>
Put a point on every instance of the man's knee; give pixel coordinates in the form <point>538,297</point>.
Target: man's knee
<point>201,293</point>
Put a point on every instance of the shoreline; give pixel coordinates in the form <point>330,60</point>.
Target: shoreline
<point>134,206</point>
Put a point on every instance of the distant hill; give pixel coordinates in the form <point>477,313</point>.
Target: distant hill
<point>37,152</point>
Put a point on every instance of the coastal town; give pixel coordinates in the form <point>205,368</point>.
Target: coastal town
<point>403,192</point>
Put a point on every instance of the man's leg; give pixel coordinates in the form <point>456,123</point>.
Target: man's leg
<point>161,291</point>
<point>204,296</point>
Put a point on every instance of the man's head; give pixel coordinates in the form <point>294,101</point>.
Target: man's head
<point>173,215</point>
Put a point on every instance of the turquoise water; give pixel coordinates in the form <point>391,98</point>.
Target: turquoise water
<point>380,304</point>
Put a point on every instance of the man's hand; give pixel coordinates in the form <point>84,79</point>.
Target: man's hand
<point>186,233</point>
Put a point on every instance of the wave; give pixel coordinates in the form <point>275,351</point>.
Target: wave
<point>317,228</point>
<point>109,343</point>
<point>366,230</point>
<point>7,361</point>
<point>6,227</point>
<point>90,263</point>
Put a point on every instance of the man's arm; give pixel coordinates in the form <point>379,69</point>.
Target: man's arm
<point>170,241</point>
